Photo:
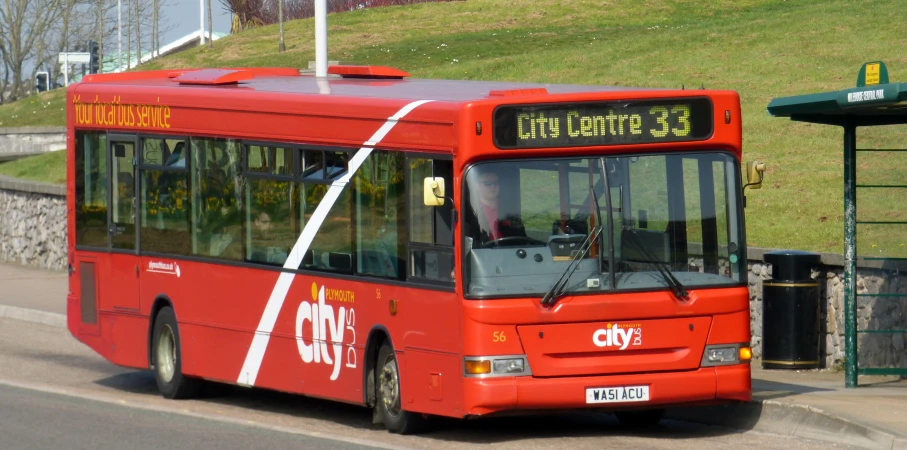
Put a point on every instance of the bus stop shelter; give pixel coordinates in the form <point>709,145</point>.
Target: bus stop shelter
<point>873,102</point>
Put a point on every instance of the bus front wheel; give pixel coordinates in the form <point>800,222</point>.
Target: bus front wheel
<point>167,358</point>
<point>389,401</point>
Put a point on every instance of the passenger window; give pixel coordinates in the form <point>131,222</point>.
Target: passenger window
<point>380,200</point>
<point>165,201</point>
<point>331,248</point>
<point>165,152</point>
<point>270,160</point>
<point>91,188</point>
<point>217,197</point>
<point>270,224</point>
<point>165,212</point>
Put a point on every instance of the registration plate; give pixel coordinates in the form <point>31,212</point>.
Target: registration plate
<point>617,394</point>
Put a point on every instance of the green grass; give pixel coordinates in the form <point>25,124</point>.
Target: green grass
<point>44,109</point>
<point>759,48</point>
<point>47,168</point>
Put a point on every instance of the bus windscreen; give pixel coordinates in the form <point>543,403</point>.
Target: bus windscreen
<point>602,123</point>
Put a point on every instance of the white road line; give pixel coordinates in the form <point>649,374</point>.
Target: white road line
<point>180,408</point>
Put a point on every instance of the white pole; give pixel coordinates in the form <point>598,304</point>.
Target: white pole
<point>201,19</point>
<point>119,36</point>
<point>321,38</point>
<point>65,70</point>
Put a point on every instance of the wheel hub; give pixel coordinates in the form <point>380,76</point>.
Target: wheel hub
<point>390,393</point>
<point>166,354</point>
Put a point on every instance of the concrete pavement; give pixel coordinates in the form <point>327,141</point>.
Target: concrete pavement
<point>32,294</point>
<point>811,404</point>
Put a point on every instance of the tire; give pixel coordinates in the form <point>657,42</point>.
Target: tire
<point>389,400</point>
<point>166,358</point>
<point>640,419</point>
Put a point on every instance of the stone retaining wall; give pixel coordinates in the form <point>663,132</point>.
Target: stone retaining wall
<point>31,140</point>
<point>32,224</point>
<point>876,350</point>
<point>33,232</point>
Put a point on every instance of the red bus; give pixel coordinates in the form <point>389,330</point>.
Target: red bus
<point>420,247</point>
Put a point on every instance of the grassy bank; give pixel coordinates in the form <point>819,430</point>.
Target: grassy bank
<point>759,48</point>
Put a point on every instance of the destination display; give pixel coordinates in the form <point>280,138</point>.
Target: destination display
<point>602,123</point>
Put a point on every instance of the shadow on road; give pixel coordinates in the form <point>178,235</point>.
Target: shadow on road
<point>488,430</point>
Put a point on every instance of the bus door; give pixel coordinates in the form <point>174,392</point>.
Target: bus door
<point>123,272</point>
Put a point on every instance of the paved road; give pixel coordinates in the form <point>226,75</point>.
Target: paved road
<point>43,367</point>
<point>31,419</point>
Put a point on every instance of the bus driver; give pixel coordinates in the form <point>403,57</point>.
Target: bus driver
<point>490,220</point>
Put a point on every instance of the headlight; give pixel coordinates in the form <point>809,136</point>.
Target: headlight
<point>725,354</point>
<point>496,366</point>
<point>722,355</point>
<point>509,366</point>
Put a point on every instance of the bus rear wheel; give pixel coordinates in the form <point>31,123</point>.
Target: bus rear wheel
<point>389,401</point>
<point>166,357</point>
<point>640,419</point>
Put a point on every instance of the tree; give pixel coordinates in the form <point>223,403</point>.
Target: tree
<point>138,34</point>
<point>26,27</point>
<point>34,32</point>
<point>99,31</point>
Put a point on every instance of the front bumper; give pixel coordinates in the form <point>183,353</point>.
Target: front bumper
<point>701,386</point>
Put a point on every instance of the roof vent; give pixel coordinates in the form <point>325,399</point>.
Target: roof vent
<point>518,92</point>
<point>372,72</point>
<point>213,76</point>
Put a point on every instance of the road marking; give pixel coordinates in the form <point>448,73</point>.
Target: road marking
<point>102,398</point>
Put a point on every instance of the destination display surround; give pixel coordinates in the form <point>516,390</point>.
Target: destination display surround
<point>602,123</point>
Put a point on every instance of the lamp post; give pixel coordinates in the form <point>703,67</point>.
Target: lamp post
<point>321,38</point>
<point>201,19</point>
<point>119,36</point>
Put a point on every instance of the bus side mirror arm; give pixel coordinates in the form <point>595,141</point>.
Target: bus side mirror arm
<point>753,169</point>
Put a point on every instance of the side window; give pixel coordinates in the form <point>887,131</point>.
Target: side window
<point>91,188</point>
<point>165,215</point>
<point>380,201</point>
<point>270,160</point>
<point>430,228</point>
<point>217,197</point>
<point>332,246</point>
<point>270,223</point>
<point>284,187</point>
<point>270,195</point>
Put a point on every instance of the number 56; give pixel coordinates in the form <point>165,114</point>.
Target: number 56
<point>498,336</point>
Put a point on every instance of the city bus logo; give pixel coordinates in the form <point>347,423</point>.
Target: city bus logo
<point>162,267</point>
<point>328,332</point>
<point>618,335</point>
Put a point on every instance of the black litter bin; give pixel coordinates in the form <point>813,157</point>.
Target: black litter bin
<point>790,311</point>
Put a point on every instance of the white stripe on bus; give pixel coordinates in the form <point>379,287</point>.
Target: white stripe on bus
<point>256,353</point>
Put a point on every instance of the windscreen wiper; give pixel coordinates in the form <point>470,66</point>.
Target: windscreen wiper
<point>666,274</point>
<point>561,284</point>
<point>598,213</point>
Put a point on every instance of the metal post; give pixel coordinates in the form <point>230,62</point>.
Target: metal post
<point>321,38</point>
<point>119,36</point>
<point>65,70</point>
<point>201,19</point>
<point>850,256</point>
